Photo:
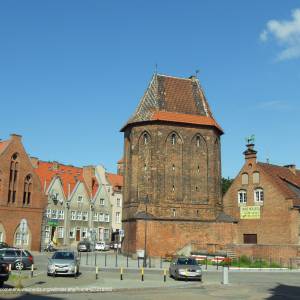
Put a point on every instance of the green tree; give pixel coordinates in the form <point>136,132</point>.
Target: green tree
<point>226,183</point>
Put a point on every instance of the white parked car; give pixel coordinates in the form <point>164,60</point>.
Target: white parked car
<point>101,246</point>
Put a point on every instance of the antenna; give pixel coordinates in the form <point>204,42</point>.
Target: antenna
<point>155,71</point>
<point>197,72</point>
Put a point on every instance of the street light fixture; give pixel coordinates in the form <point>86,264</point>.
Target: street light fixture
<point>146,201</point>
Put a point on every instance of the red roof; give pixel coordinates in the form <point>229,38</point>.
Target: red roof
<point>3,144</point>
<point>185,118</point>
<point>115,180</point>
<point>288,181</point>
<point>121,161</point>
<point>69,175</point>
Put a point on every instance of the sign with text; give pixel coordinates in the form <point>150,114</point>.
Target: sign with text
<point>250,212</point>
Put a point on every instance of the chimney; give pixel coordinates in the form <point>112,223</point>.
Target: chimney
<point>250,153</point>
<point>15,136</point>
<point>55,165</point>
<point>88,174</point>
<point>292,168</point>
<point>34,161</point>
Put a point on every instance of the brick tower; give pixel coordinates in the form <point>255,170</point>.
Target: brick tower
<point>172,168</point>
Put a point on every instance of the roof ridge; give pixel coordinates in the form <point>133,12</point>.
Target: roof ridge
<point>175,77</point>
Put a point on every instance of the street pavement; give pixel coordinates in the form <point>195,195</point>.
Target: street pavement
<point>242,285</point>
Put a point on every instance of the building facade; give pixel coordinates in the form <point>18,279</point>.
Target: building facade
<point>172,171</point>
<point>78,206</point>
<point>265,200</point>
<point>21,196</point>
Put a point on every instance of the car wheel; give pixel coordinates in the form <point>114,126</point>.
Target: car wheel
<point>19,265</point>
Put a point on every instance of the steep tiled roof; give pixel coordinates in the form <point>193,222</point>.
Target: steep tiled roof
<point>68,174</point>
<point>286,180</point>
<point>115,180</point>
<point>173,95</point>
<point>185,118</point>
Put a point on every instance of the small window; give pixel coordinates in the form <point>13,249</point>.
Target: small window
<point>256,177</point>
<point>84,233</point>
<point>79,201</point>
<point>61,214</point>
<point>95,218</point>
<point>54,214</point>
<point>145,167</point>
<point>85,216</point>
<point>242,197</point>
<point>250,238</point>
<point>145,138</point>
<point>73,215</point>
<point>173,167</point>
<point>106,218</point>
<point>174,212</point>
<point>173,188</point>
<point>173,139</point>
<point>245,178</point>
<point>259,195</point>
<point>47,232</point>
<point>79,216</point>
<point>198,141</point>
<point>118,217</point>
<point>48,213</point>
<point>106,234</point>
<point>102,202</point>
<point>60,232</point>
<point>118,202</point>
<point>101,217</point>
<point>72,233</point>
<point>198,169</point>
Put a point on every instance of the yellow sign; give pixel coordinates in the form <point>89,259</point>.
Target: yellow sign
<point>250,212</point>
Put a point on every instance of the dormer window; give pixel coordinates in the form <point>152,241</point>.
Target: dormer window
<point>259,195</point>
<point>242,197</point>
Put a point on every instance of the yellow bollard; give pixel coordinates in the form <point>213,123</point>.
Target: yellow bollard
<point>165,275</point>
<point>142,274</point>
<point>121,274</point>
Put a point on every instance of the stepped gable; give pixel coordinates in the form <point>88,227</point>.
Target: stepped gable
<point>286,178</point>
<point>174,99</point>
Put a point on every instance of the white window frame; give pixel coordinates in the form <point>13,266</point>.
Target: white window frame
<point>79,201</point>
<point>101,217</point>
<point>72,233</point>
<point>60,232</point>
<point>54,213</point>
<point>85,216</point>
<point>47,231</point>
<point>79,216</point>
<point>48,213</point>
<point>61,215</point>
<point>95,217</point>
<point>259,195</point>
<point>84,232</point>
<point>242,197</point>
<point>118,217</point>
<point>106,218</point>
<point>118,202</point>
<point>106,234</point>
<point>102,201</point>
<point>73,215</point>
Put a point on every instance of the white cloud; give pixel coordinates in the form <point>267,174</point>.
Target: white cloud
<point>274,105</point>
<point>287,35</point>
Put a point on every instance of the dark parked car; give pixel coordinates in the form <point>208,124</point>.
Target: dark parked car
<point>185,268</point>
<point>84,245</point>
<point>3,245</point>
<point>19,259</point>
<point>4,272</point>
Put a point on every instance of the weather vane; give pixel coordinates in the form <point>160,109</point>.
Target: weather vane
<point>250,139</point>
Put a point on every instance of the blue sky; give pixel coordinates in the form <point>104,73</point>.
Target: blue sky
<point>72,72</point>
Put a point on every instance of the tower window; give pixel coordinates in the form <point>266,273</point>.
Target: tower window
<point>174,212</point>
<point>196,188</point>
<point>173,188</point>
<point>198,169</point>
<point>146,138</point>
<point>27,190</point>
<point>173,167</point>
<point>173,139</point>
<point>145,167</point>
<point>13,176</point>
<point>198,141</point>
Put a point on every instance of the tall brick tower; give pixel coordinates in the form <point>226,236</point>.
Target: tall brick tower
<point>172,167</point>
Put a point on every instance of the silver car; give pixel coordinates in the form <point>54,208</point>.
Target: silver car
<point>63,263</point>
<point>185,268</point>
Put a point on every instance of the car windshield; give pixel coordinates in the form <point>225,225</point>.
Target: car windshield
<point>186,261</point>
<point>63,255</point>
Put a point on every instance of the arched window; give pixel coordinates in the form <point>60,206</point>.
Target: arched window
<point>242,197</point>
<point>245,178</point>
<point>145,138</point>
<point>255,177</point>
<point>259,195</point>
<point>27,190</point>
<point>198,141</point>
<point>13,177</point>
<point>173,139</point>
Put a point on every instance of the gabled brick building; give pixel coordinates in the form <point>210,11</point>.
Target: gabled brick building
<point>21,195</point>
<point>265,200</point>
<point>172,171</point>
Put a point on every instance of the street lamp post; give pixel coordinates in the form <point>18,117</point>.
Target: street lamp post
<point>146,201</point>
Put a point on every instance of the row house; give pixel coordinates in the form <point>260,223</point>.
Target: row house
<point>78,206</point>
<point>113,184</point>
